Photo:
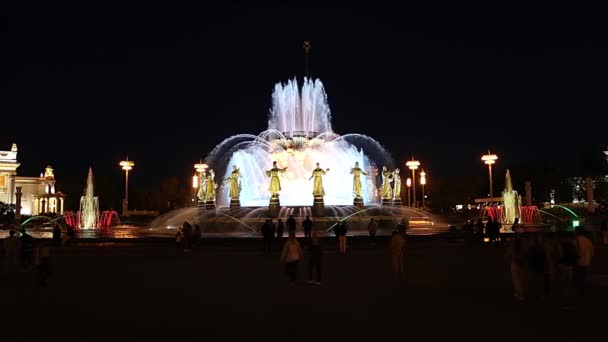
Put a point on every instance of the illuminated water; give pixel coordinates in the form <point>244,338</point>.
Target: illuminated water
<point>299,135</point>
<point>89,206</point>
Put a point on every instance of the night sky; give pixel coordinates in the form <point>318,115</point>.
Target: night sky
<point>86,86</point>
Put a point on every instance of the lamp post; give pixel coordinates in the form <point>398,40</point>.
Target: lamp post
<point>195,183</point>
<point>422,183</point>
<point>490,159</point>
<point>200,168</point>
<point>126,165</point>
<point>413,165</point>
<point>409,185</point>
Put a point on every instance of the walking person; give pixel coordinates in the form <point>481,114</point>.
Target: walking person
<point>27,249</point>
<point>372,227</point>
<point>516,256</point>
<point>314,261</point>
<point>280,229</point>
<point>267,233</point>
<point>12,250</point>
<point>187,230</point>
<point>290,256</point>
<point>56,235</point>
<point>604,231</point>
<point>307,225</point>
<point>584,248</point>
<point>397,255</point>
<point>196,235</point>
<point>43,265</point>
<point>342,237</point>
<point>179,237</point>
<point>291,225</point>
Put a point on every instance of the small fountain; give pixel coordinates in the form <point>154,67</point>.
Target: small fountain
<point>511,200</point>
<point>512,209</point>
<point>89,206</point>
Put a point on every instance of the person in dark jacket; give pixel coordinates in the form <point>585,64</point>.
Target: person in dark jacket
<point>291,225</point>
<point>307,225</point>
<point>314,261</point>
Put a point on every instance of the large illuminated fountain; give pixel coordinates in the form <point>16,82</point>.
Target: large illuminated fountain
<point>89,206</point>
<point>299,135</point>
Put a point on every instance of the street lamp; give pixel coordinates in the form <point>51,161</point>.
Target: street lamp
<point>413,165</point>
<point>126,165</point>
<point>409,185</point>
<point>200,168</point>
<point>490,159</point>
<point>422,182</point>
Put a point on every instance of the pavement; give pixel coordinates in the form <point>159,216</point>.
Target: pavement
<point>228,290</point>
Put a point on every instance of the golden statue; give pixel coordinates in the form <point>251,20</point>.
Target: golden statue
<point>318,174</point>
<point>209,185</point>
<point>275,182</point>
<point>396,185</point>
<point>357,172</point>
<point>235,184</point>
<point>386,190</point>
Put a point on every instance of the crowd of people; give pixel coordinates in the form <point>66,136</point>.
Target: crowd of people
<point>22,253</point>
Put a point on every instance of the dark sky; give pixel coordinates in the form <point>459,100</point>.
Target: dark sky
<point>86,86</point>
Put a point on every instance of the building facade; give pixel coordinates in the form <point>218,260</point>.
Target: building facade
<point>30,195</point>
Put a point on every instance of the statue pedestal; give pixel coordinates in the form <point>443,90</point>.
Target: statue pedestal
<point>318,207</point>
<point>358,202</point>
<point>386,201</point>
<point>397,201</point>
<point>274,206</point>
<point>210,205</point>
<point>235,203</point>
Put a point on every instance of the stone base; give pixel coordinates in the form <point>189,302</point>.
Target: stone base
<point>386,201</point>
<point>210,205</point>
<point>200,203</point>
<point>274,207</point>
<point>358,202</point>
<point>397,201</point>
<point>235,203</point>
<point>318,207</point>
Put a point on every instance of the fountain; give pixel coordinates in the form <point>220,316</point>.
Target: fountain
<point>511,200</point>
<point>89,206</point>
<point>299,135</point>
<point>512,209</point>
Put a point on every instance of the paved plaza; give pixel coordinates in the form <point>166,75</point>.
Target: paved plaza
<point>229,289</point>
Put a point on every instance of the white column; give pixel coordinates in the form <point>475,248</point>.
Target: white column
<point>61,205</point>
<point>11,189</point>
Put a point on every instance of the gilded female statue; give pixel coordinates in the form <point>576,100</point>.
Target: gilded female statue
<point>275,182</point>
<point>396,184</point>
<point>318,174</point>
<point>386,190</point>
<point>357,172</point>
<point>235,184</point>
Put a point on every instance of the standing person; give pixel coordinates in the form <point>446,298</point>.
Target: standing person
<point>516,256</point>
<point>584,248</point>
<point>56,235</point>
<point>552,256</point>
<point>372,227</point>
<point>516,227</point>
<point>291,255</point>
<point>397,249</point>
<point>291,225</point>
<point>604,231</point>
<point>70,236</point>
<point>479,227</point>
<point>12,250</point>
<point>187,230</point>
<point>314,263</point>
<point>307,224</point>
<point>342,237</point>
<point>280,229</point>
<point>267,236</point>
